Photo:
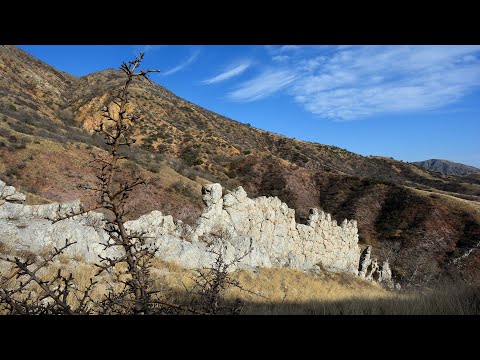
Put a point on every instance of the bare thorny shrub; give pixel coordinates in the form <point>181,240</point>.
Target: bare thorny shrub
<point>56,293</point>
<point>130,256</point>
<point>212,282</point>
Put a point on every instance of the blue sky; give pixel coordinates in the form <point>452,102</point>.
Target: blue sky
<point>408,102</point>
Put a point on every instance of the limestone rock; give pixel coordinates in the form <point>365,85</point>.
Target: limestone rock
<point>373,271</point>
<point>233,222</point>
<point>17,197</point>
<point>365,261</point>
<point>9,193</point>
<point>211,194</point>
<point>385,276</point>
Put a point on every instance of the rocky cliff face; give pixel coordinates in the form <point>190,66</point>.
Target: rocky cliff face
<point>233,221</point>
<point>277,239</point>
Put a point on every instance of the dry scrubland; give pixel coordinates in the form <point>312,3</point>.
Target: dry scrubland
<point>429,219</point>
<point>45,133</point>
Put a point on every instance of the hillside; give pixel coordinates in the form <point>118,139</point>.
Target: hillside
<point>46,118</point>
<point>447,167</point>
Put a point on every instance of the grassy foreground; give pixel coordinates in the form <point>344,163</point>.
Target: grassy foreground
<point>288,291</point>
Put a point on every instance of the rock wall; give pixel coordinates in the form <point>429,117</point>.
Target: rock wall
<point>233,221</point>
<point>276,238</point>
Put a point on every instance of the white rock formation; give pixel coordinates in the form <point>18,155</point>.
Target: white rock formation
<point>370,270</point>
<point>365,261</point>
<point>234,220</point>
<point>385,275</point>
<point>9,193</point>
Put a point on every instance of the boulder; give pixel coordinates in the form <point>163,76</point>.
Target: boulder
<point>211,194</point>
<point>17,197</point>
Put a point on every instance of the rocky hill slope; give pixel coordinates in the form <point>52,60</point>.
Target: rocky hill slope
<point>409,214</point>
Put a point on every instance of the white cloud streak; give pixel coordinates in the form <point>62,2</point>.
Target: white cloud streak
<point>351,82</point>
<point>146,48</point>
<point>363,81</point>
<point>262,86</point>
<point>288,48</point>
<point>228,74</point>
<point>183,65</point>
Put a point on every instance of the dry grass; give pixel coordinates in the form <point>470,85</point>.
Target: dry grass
<point>290,291</point>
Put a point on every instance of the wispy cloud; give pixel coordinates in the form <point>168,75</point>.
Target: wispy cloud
<point>281,49</point>
<point>182,65</point>
<point>287,48</point>
<point>363,81</point>
<point>263,85</point>
<point>229,73</point>
<point>351,82</point>
<point>280,58</point>
<point>146,48</point>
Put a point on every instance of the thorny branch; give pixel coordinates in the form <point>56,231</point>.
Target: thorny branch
<point>131,289</point>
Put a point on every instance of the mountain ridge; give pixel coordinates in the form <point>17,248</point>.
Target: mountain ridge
<point>447,167</point>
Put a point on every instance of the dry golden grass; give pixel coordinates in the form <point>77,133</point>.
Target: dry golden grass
<point>264,286</point>
<point>290,291</point>
<point>33,199</point>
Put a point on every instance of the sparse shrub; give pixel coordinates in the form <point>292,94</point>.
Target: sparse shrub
<point>22,128</point>
<point>182,188</point>
<point>190,155</point>
<point>11,172</point>
<point>5,132</point>
<point>213,281</point>
<point>20,144</point>
<point>154,167</point>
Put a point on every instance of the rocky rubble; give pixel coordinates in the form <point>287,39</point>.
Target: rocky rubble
<point>370,270</point>
<point>232,221</point>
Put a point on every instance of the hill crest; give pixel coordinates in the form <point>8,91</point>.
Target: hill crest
<point>447,167</point>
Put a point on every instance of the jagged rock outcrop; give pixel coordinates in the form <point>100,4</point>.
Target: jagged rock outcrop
<point>365,261</point>
<point>9,193</point>
<point>277,239</point>
<point>385,275</point>
<point>370,270</point>
<point>233,221</point>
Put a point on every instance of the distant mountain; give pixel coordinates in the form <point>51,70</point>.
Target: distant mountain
<point>447,167</point>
